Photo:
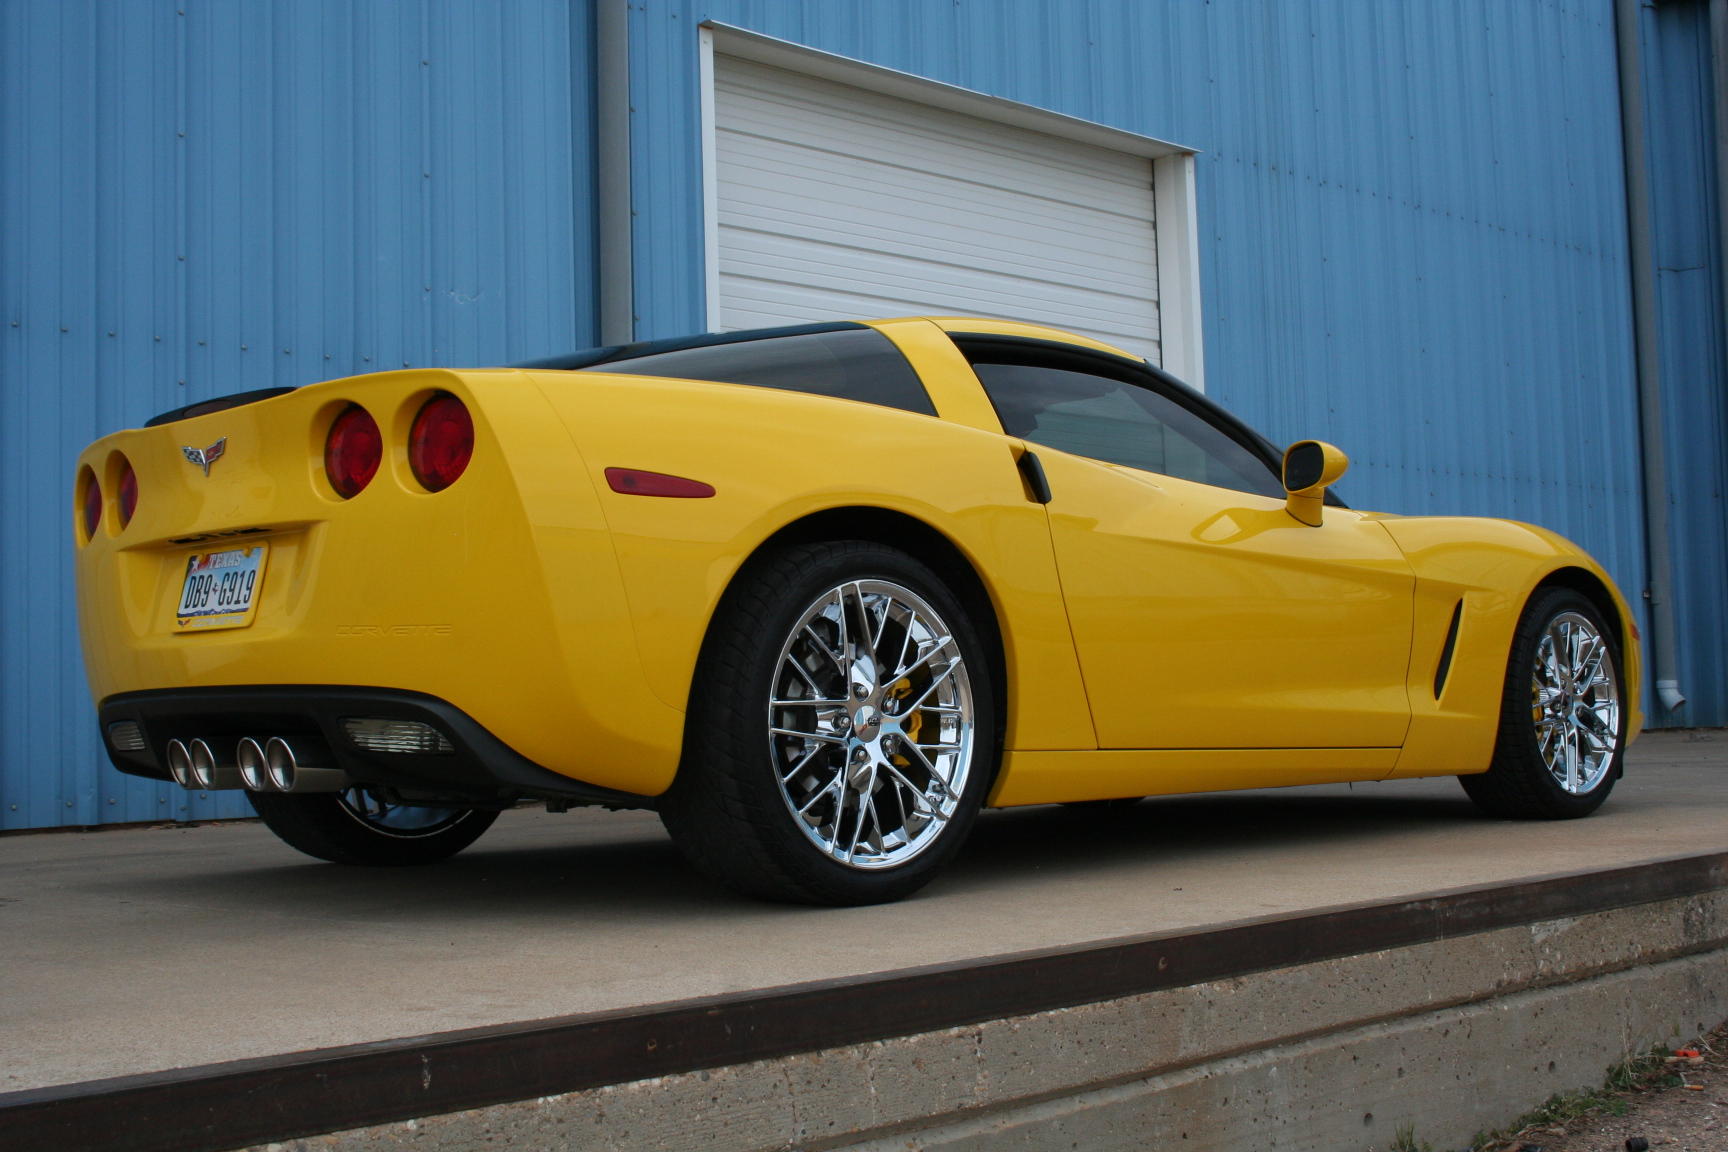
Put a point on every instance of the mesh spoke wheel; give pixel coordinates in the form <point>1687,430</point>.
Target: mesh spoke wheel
<point>870,724</point>
<point>1575,703</point>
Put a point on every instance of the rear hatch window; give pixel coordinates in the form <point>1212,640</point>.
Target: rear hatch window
<point>858,364</point>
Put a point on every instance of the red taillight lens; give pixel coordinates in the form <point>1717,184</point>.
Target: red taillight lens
<point>92,505</point>
<point>441,442</point>
<point>353,451</point>
<point>128,494</point>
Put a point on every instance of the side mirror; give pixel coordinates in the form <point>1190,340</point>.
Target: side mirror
<point>1309,467</point>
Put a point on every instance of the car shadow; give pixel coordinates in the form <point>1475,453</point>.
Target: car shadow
<point>1079,839</point>
<point>1174,824</point>
<point>621,867</point>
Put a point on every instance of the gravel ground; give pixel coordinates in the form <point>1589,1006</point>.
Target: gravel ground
<point>1675,1107</point>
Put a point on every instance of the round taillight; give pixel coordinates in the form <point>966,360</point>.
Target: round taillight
<point>128,494</point>
<point>353,451</point>
<point>441,442</point>
<point>92,505</point>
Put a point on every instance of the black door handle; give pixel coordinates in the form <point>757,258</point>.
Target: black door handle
<point>1033,470</point>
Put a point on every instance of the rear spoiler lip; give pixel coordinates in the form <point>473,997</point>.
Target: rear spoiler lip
<point>219,404</point>
<point>614,353</point>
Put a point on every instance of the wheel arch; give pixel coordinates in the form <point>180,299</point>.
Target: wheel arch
<point>1587,584</point>
<point>923,542</point>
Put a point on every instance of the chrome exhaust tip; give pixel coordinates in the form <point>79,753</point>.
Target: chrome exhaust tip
<point>287,774</point>
<point>254,768</point>
<point>180,765</point>
<point>208,775</point>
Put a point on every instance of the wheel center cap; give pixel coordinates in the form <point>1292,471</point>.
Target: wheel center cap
<point>865,722</point>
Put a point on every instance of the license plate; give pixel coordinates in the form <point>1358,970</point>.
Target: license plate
<point>221,589</point>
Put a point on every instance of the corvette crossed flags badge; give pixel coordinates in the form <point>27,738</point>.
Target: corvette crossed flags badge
<point>204,457</point>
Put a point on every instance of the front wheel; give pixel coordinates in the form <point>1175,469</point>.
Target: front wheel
<point>1562,718</point>
<point>359,826</point>
<point>841,731</point>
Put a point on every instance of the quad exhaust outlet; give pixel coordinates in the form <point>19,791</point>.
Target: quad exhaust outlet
<point>180,764</point>
<point>270,764</point>
<point>194,766</point>
<point>284,771</point>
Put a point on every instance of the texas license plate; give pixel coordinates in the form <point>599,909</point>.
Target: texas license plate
<point>221,589</point>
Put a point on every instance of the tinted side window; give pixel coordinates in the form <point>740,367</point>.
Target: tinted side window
<point>1120,423</point>
<point>859,364</point>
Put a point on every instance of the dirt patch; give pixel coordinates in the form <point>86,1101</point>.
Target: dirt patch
<point>1668,1101</point>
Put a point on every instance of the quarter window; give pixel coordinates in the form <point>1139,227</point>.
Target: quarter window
<point>855,364</point>
<point>1120,423</point>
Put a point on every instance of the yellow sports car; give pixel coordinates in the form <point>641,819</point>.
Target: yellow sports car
<point>814,594</point>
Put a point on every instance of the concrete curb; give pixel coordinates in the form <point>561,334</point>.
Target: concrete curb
<point>280,1098</point>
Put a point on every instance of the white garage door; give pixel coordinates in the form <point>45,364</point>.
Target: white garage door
<point>837,203</point>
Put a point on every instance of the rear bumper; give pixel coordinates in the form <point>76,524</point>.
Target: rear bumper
<point>481,768</point>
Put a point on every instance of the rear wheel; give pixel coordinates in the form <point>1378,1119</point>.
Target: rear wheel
<point>841,732</point>
<point>359,826</point>
<point>1562,716</point>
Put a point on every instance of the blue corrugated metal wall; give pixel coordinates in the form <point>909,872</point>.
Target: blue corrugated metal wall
<point>202,198</point>
<point>1412,215</point>
<point>1680,123</point>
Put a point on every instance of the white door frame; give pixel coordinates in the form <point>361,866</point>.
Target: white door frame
<point>1179,326</point>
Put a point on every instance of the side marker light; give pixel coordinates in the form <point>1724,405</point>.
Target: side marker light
<point>634,482</point>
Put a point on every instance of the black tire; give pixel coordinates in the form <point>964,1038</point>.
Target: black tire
<point>727,811</point>
<point>331,826</point>
<point>1519,784</point>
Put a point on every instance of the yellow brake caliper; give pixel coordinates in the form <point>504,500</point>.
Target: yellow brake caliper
<point>902,690</point>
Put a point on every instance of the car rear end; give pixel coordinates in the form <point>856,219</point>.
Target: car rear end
<point>353,582</point>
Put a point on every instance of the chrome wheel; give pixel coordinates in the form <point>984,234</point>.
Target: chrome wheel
<point>871,724</point>
<point>1575,703</point>
<point>399,820</point>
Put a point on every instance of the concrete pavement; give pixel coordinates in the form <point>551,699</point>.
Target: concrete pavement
<point>136,950</point>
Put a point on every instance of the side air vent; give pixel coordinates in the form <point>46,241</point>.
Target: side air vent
<point>1446,651</point>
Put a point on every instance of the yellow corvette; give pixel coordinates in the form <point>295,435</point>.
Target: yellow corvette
<point>816,595</point>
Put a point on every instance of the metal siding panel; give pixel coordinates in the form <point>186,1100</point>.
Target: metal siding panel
<point>237,194</point>
<point>666,188</point>
<point>1680,123</point>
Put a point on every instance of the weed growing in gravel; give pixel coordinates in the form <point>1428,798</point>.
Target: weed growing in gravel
<point>1404,1140</point>
<point>1564,1106</point>
<point>1639,1071</point>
